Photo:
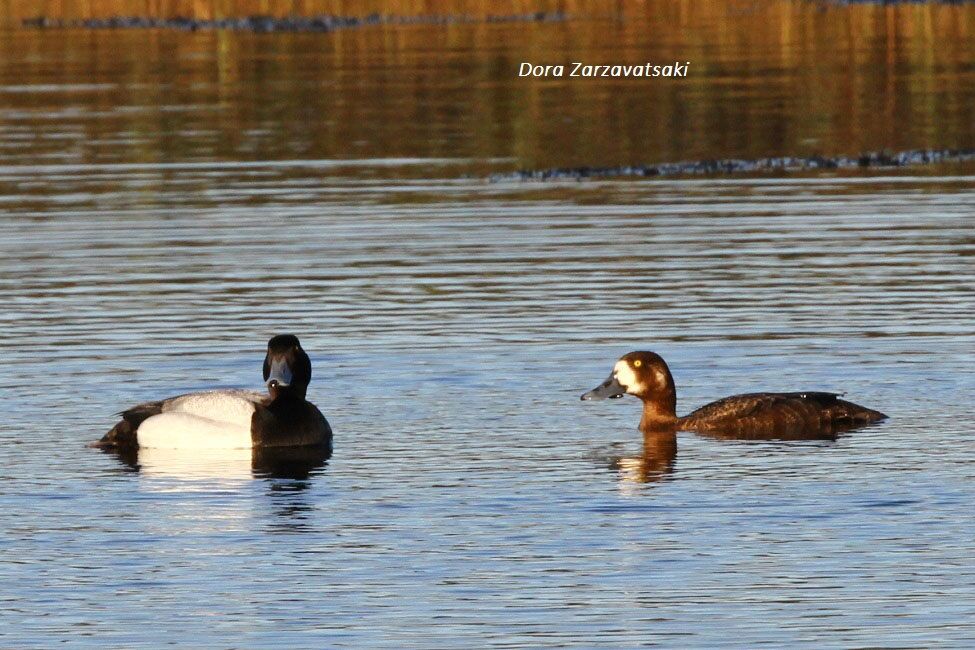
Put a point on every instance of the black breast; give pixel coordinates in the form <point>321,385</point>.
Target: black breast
<point>290,423</point>
<point>767,415</point>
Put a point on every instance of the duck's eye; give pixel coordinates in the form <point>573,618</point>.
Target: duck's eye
<point>637,363</point>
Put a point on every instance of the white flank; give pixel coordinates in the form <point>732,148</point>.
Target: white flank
<point>210,420</point>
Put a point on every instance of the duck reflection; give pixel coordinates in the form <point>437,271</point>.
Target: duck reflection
<point>659,458</point>
<point>296,463</point>
<point>656,463</point>
<point>291,510</point>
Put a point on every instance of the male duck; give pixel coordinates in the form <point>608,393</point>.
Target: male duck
<point>222,419</point>
<point>646,375</point>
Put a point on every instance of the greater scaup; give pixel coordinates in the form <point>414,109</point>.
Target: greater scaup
<point>812,414</point>
<point>233,418</point>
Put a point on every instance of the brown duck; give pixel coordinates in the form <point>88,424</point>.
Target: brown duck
<point>751,415</point>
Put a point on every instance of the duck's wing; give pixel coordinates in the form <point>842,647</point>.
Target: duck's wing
<point>222,405</point>
<point>779,415</point>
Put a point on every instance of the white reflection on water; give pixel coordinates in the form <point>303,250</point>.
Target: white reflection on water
<point>206,467</point>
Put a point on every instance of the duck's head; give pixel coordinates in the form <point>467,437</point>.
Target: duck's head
<point>287,368</point>
<point>644,374</point>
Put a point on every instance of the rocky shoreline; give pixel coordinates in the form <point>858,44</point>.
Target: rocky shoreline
<point>876,159</point>
<point>268,24</point>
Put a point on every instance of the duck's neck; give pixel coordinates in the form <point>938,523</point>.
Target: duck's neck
<point>285,400</point>
<point>659,410</point>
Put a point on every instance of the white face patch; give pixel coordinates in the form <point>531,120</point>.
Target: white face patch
<point>627,378</point>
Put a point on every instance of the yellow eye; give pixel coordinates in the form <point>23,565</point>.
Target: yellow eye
<point>637,363</point>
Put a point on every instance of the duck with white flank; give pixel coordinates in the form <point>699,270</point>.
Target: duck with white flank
<point>228,419</point>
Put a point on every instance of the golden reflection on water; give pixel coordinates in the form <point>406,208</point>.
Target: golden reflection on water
<point>658,458</point>
<point>765,79</point>
<point>656,463</point>
<point>207,9</point>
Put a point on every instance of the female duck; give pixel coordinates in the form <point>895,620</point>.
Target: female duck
<point>646,375</point>
<point>223,419</point>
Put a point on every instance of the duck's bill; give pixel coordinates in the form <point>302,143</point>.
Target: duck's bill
<point>279,374</point>
<point>609,389</point>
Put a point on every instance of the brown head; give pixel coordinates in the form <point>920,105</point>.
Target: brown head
<point>645,375</point>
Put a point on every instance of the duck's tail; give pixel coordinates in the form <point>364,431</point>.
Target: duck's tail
<point>123,434</point>
<point>848,412</point>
